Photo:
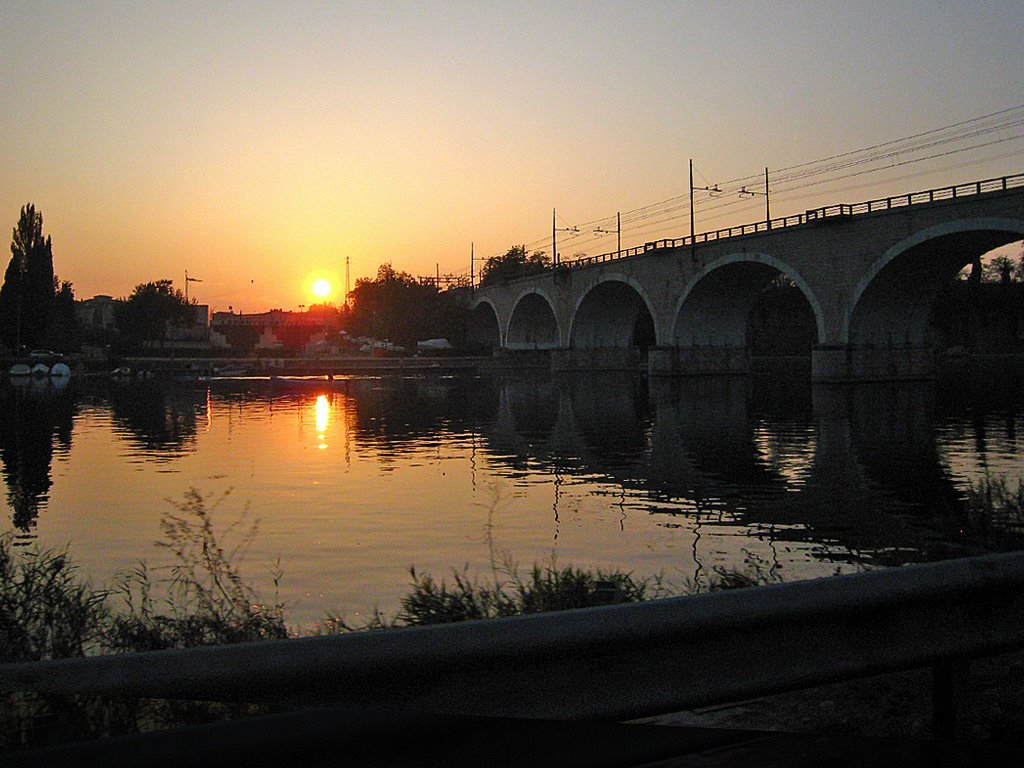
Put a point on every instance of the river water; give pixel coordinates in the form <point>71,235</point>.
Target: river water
<point>353,481</point>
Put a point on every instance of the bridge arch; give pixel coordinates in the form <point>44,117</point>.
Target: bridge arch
<point>714,307</point>
<point>482,327</point>
<point>892,302</point>
<point>616,312</point>
<point>532,324</point>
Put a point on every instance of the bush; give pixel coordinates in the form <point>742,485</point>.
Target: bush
<point>207,601</point>
<point>546,587</point>
<point>994,511</point>
<point>46,611</point>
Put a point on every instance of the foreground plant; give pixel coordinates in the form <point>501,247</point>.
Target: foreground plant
<point>544,587</point>
<point>205,600</point>
<point>994,501</point>
<point>46,610</point>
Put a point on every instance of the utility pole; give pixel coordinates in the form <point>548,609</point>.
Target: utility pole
<point>472,281</point>
<point>554,250</point>
<point>693,225</point>
<point>693,230</point>
<point>618,231</point>
<point>348,288</point>
<point>744,192</point>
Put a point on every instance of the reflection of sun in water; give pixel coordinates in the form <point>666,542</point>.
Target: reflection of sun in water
<point>323,415</point>
<point>321,289</point>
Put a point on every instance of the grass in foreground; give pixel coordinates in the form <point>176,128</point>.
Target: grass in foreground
<point>48,611</point>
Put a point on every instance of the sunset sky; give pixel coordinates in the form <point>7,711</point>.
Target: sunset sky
<point>257,145</point>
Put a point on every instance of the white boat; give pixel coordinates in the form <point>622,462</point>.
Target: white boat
<point>40,370</point>
<point>60,370</point>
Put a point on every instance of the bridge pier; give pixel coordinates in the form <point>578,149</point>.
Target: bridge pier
<point>847,362</point>
<point>698,361</point>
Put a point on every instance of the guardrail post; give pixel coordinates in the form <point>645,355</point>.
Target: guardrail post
<point>949,683</point>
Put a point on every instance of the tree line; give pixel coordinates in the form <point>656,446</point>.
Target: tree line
<point>37,308</point>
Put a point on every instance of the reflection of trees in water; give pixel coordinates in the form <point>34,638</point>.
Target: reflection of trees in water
<point>34,421</point>
<point>396,414</point>
<point>390,414</point>
<point>993,402</point>
<point>845,469</point>
<point>156,417</point>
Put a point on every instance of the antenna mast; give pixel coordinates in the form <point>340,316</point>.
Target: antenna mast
<point>189,280</point>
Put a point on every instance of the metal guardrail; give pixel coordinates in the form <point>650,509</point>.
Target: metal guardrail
<point>812,216</point>
<point>611,662</point>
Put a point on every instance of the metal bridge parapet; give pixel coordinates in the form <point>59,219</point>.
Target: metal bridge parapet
<point>837,212</point>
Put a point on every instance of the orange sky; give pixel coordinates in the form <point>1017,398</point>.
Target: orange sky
<point>259,145</point>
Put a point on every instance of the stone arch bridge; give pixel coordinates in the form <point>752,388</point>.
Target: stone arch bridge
<point>870,273</point>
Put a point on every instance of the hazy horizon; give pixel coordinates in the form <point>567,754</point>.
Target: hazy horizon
<point>260,145</point>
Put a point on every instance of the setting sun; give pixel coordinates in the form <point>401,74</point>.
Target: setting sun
<point>321,289</point>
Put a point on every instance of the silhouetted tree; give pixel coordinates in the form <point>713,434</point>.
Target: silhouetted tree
<point>396,307</point>
<point>28,298</point>
<point>1001,270</point>
<point>512,264</point>
<point>63,331</point>
<point>151,310</point>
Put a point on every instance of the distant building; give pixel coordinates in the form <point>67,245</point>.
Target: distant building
<point>276,329</point>
<point>96,313</point>
<point>195,335</point>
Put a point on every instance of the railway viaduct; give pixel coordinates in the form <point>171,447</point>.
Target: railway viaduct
<point>870,273</point>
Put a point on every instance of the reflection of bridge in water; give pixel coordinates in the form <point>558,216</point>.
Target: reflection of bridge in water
<point>869,274</point>
<point>801,464</point>
<point>854,469</point>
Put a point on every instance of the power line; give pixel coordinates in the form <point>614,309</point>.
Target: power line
<point>662,213</point>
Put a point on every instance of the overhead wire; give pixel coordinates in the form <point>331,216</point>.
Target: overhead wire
<point>812,173</point>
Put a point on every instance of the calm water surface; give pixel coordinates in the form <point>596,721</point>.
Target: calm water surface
<point>353,481</point>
